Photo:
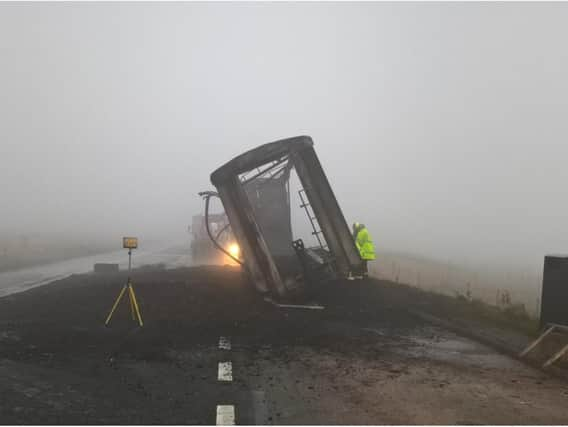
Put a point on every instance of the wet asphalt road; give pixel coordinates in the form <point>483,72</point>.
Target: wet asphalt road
<point>12,282</point>
<point>361,360</point>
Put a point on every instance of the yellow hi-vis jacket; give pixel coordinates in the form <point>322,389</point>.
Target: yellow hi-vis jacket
<point>365,244</point>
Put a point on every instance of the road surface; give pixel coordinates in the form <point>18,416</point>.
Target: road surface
<point>21,280</point>
<point>212,351</point>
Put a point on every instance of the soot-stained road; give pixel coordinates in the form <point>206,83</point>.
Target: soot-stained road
<point>212,351</point>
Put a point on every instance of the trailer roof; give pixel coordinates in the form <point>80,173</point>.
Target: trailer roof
<point>259,156</point>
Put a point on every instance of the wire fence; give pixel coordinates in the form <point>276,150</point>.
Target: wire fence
<point>502,288</point>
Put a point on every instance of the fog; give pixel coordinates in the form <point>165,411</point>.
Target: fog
<point>442,127</point>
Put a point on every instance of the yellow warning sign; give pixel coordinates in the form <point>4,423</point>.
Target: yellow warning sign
<point>130,242</point>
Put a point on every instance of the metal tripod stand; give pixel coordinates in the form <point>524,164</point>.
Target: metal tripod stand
<point>127,288</point>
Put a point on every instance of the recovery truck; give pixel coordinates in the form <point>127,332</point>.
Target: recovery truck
<point>203,250</point>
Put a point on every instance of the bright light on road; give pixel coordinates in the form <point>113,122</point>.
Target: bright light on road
<point>234,250</point>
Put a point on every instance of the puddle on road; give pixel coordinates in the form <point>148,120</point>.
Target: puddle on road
<point>455,349</point>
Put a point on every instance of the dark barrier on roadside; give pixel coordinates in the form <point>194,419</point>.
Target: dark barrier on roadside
<point>106,268</point>
<point>554,302</point>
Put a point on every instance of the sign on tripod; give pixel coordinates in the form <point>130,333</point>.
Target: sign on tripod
<point>128,243</point>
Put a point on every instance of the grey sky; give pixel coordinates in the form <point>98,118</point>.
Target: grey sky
<point>441,125</point>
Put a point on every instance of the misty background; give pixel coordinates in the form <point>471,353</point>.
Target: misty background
<point>441,126</point>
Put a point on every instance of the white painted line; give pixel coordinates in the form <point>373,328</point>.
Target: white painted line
<point>309,307</point>
<point>225,415</point>
<point>224,343</point>
<point>225,372</point>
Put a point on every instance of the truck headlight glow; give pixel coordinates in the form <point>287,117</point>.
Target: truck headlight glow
<point>234,250</point>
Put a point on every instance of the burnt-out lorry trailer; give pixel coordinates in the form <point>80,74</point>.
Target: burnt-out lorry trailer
<point>255,191</point>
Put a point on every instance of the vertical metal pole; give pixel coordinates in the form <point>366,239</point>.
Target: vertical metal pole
<point>129,262</point>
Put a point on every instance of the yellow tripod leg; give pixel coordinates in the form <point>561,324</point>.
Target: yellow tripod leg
<point>132,310</point>
<point>115,305</point>
<point>133,297</point>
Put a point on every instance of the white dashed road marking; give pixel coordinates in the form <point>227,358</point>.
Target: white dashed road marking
<point>225,371</point>
<point>224,343</point>
<point>225,415</point>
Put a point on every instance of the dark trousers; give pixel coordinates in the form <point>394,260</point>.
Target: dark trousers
<point>364,269</point>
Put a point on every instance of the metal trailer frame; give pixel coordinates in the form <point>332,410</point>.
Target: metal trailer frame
<point>259,261</point>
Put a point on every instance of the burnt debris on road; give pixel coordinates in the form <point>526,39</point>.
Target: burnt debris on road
<point>212,350</point>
